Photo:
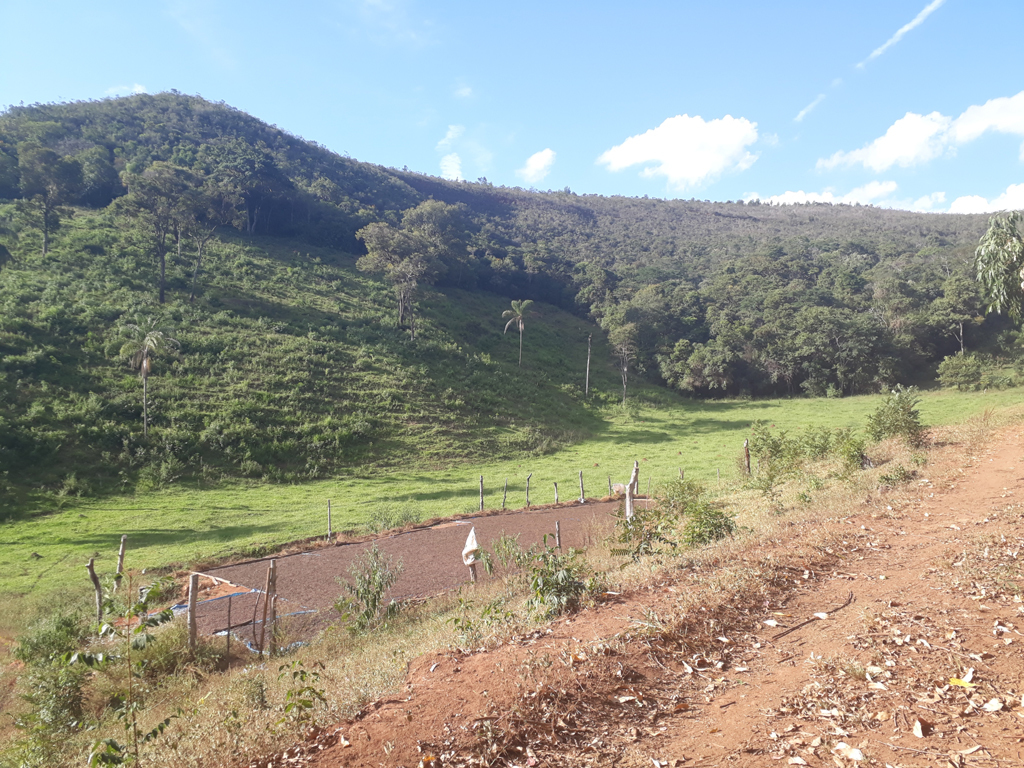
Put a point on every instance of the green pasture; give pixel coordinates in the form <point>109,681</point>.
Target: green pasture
<point>45,554</point>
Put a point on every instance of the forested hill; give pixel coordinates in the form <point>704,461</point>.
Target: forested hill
<point>326,310</point>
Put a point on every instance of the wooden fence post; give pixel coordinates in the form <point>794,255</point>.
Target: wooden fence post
<point>481,493</point>
<point>746,454</point>
<point>99,590</point>
<point>528,489</point>
<point>583,498</point>
<point>558,533</point>
<point>556,493</point>
<point>504,495</point>
<point>266,604</point>
<point>609,485</point>
<point>328,520</point>
<point>227,650</point>
<point>193,597</point>
<point>119,573</point>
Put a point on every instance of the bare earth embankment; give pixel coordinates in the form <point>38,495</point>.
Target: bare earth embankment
<point>893,635</point>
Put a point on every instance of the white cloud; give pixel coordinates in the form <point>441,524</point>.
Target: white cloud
<point>910,140</point>
<point>454,134</point>
<point>120,90</point>
<point>1011,199</point>
<point>451,167</point>
<point>917,138</point>
<point>809,108</point>
<point>1003,115</point>
<point>538,165</point>
<point>927,202</point>
<point>463,92</point>
<point>687,150</point>
<point>915,22</point>
<point>869,194</point>
<point>393,22</point>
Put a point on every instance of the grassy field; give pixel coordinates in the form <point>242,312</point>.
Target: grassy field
<point>177,526</point>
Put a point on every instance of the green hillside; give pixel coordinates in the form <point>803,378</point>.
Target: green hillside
<point>322,316</point>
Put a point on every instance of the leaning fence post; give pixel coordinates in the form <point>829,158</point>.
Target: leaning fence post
<point>99,590</point>
<point>609,485</point>
<point>193,597</point>
<point>504,495</point>
<point>119,573</point>
<point>583,498</point>
<point>266,604</point>
<point>227,650</point>
<point>528,489</point>
<point>481,493</point>
<point>556,493</point>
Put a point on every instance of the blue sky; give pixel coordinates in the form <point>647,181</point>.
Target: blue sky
<point>905,103</point>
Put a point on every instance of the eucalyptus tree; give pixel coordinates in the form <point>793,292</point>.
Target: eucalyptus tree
<point>144,341</point>
<point>517,317</point>
<point>156,201</point>
<point>403,259</point>
<point>47,182</point>
<point>999,264</point>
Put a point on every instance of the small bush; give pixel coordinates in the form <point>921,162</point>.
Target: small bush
<point>898,475</point>
<point>850,450</point>
<point>51,638</point>
<point>706,524</point>
<point>373,575</point>
<point>556,581</point>
<point>387,516</point>
<point>898,416</point>
<point>960,371</point>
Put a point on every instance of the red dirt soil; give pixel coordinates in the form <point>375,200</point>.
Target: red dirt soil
<point>914,659</point>
<point>309,583</point>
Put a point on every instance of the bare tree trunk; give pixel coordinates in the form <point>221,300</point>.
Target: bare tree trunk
<point>586,389</point>
<point>99,590</point>
<point>145,404</point>
<point>520,346</point>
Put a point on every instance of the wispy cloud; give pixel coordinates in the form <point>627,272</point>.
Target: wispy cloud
<point>915,139</point>
<point>1011,199</point>
<point>194,17</point>
<point>538,165</point>
<point>454,134</point>
<point>463,92</point>
<point>390,22</point>
<point>902,31</point>
<point>687,150</point>
<point>809,108</point>
<point>451,167</point>
<point>121,90</point>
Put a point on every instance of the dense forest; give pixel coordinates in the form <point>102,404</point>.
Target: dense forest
<point>304,312</point>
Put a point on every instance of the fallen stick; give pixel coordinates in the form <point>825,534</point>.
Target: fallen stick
<point>814,618</point>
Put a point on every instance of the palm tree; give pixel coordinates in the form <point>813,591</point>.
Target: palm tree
<point>516,316</point>
<point>144,340</point>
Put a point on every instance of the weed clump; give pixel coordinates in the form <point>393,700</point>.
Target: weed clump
<point>557,581</point>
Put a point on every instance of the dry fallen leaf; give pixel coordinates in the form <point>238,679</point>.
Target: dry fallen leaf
<point>877,687</point>
<point>771,622</point>
<point>961,683</point>
<point>993,705</point>
<point>845,750</point>
<point>970,751</point>
<point>797,761</point>
<point>922,728</point>
<point>821,616</point>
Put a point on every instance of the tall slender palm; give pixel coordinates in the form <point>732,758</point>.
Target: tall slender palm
<point>517,317</point>
<point>144,340</point>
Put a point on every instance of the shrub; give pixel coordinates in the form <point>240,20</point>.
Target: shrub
<point>850,450</point>
<point>373,575</point>
<point>386,516</point>
<point>556,581</point>
<point>51,638</point>
<point>898,416</point>
<point>895,476</point>
<point>705,524</point>
<point>960,371</point>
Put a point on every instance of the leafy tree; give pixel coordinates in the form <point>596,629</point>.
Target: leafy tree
<point>145,339</point>
<point>47,182</point>
<point>960,371</point>
<point>156,201</point>
<point>517,317</point>
<point>404,261</point>
<point>999,263</point>
<point>202,210</point>
<point>957,308</point>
